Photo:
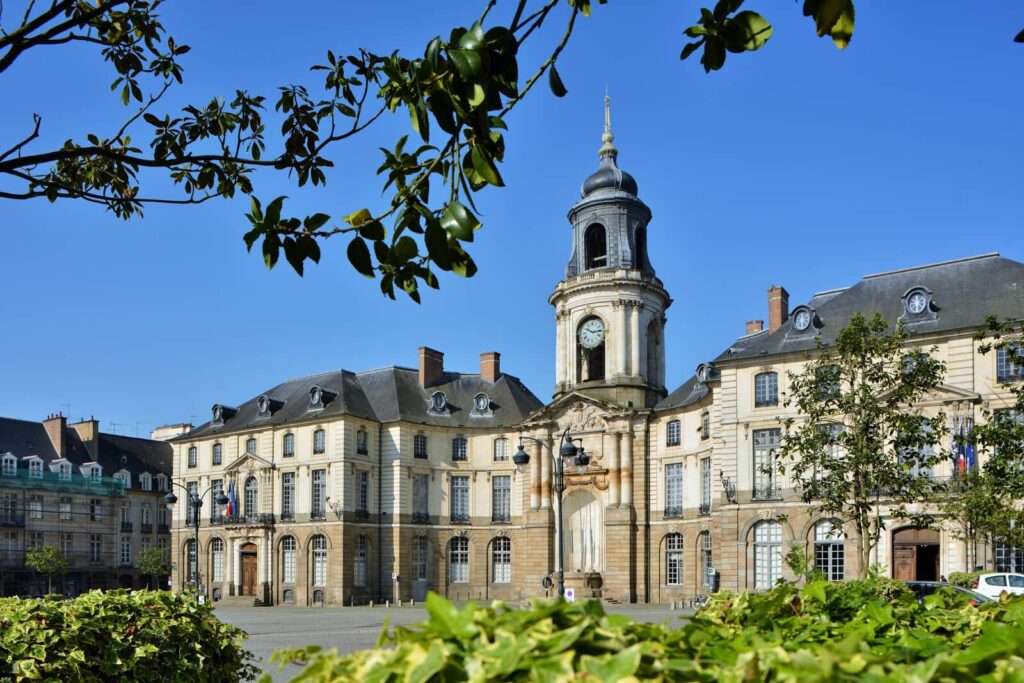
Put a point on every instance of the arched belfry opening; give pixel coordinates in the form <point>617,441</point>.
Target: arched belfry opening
<point>654,354</point>
<point>596,244</point>
<point>590,355</point>
<point>640,249</point>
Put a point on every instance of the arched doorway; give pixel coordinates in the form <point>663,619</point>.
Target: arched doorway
<point>915,554</point>
<point>248,569</point>
<point>583,522</point>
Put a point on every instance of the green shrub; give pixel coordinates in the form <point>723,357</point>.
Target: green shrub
<point>849,631</point>
<point>964,579</point>
<point>119,636</point>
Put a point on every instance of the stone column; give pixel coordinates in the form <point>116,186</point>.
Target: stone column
<point>535,480</point>
<point>620,313</point>
<point>626,467</point>
<point>560,374</point>
<point>545,474</point>
<point>634,338</point>
<point>613,469</point>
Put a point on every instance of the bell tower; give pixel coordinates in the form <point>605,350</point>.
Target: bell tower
<point>610,308</point>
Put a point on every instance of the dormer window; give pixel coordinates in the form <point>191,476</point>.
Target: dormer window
<point>482,406</point>
<point>35,468</point>
<point>63,469</point>
<point>161,482</point>
<point>125,478</point>
<point>218,414</point>
<point>8,465</point>
<point>439,404</point>
<point>703,373</point>
<point>805,319</point>
<point>146,481</point>
<point>267,406</point>
<point>320,397</point>
<point>93,473</point>
<point>918,305</point>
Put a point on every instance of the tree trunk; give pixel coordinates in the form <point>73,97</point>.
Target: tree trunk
<point>863,552</point>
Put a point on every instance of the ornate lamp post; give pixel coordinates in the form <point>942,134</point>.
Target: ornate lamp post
<point>566,450</point>
<point>195,500</point>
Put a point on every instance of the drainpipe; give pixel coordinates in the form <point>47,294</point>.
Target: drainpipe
<point>380,509</point>
<point>647,509</point>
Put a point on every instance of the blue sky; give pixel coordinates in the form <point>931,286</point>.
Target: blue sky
<point>798,165</point>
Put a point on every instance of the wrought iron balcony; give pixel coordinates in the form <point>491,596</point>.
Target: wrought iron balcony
<point>460,518</point>
<point>12,520</point>
<point>163,529</point>
<point>767,492</point>
<point>261,519</point>
<point>420,518</point>
<point>287,516</point>
<point>127,527</point>
<point>704,509</point>
<point>673,511</point>
<point>362,515</point>
<point>146,528</point>
<point>318,516</point>
<point>501,518</point>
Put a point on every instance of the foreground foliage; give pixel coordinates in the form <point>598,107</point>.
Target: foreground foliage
<point>119,636</point>
<point>872,630</point>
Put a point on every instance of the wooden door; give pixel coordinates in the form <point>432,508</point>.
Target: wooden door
<point>905,562</point>
<point>248,574</point>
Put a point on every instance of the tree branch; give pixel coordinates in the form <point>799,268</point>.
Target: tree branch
<point>35,133</point>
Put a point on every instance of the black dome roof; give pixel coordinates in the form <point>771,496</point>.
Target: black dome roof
<point>609,178</point>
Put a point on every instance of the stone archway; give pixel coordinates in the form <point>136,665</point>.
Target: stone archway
<point>915,554</point>
<point>248,569</point>
<point>583,522</point>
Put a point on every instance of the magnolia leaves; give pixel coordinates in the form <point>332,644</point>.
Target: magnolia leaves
<point>719,32</point>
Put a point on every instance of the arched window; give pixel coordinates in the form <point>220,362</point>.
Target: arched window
<point>590,346</point>
<point>218,454</point>
<point>362,442</point>
<point>829,557</point>
<point>420,553</point>
<point>766,389</point>
<point>706,559</point>
<point>640,255</point>
<point>251,499</point>
<point>250,444</point>
<point>359,566</point>
<point>190,560</point>
<point>458,559</point>
<point>672,433</point>
<point>459,448</point>
<point>674,559</point>
<point>596,246</point>
<point>217,559</point>
<point>288,559</point>
<point>288,449</point>
<point>319,442</point>
<point>501,560</point>
<point>767,554</point>
<point>500,449</point>
<point>193,456</point>
<point>318,544</point>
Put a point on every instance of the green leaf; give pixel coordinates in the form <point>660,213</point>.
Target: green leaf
<point>359,256</point>
<point>274,212</point>
<point>714,54</point>
<point>746,31</point>
<point>473,39</point>
<point>1019,38</point>
<point>405,249</point>
<point>555,81</point>
<point>484,165</point>
<point>372,230</point>
<point>459,221</point>
<point>315,222</point>
<point>690,48</point>
<point>467,63</point>
<point>357,218</point>
<point>842,30</point>
<point>271,247</point>
<point>615,668</point>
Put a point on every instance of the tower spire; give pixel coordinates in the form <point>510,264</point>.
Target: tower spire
<point>608,149</point>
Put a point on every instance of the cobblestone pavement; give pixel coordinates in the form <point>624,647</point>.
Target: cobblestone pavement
<point>351,628</point>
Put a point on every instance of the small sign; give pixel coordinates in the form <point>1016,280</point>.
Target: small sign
<point>394,576</point>
<point>570,595</point>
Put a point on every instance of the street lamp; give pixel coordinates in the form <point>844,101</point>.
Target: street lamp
<point>195,500</point>
<point>566,450</point>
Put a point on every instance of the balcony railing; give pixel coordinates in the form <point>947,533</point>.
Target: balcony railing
<point>288,516</point>
<point>12,520</point>
<point>460,518</point>
<point>704,509</point>
<point>146,528</point>
<point>673,511</point>
<point>420,518</point>
<point>261,519</point>
<point>362,515</point>
<point>163,529</point>
<point>318,516</point>
<point>767,492</point>
<point>501,518</point>
<point>127,527</point>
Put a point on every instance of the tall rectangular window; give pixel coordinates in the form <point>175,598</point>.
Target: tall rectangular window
<point>10,466</point>
<point>126,551</point>
<point>66,544</point>
<point>501,560</point>
<point>419,446</point>
<point>459,448</point>
<point>96,510</point>
<point>288,449</point>
<point>9,509</point>
<point>126,517</point>
<point>10,546</point>
<point>672,433</point>
<point>35,507</point>
<point>288,495</point>
<point>706,560</point>
<point>705,425</point>
<point>319,442</point>
<point>216,509</point>
<point>217,559</point>
<point>674,559</point>
<point>420,552</point>
<point>459,494</point>
<point>193,490</point>
<point>674,489</point>
<point>767,554</point>
<point>95,548</point>
<point>319,546</point>
<point>218,454</point>
<point>144,517</point>
<point>288,559</point>
<point>362,442</point>
<point>35,540</point>
<point>766,389</point>
<point>364,492</point>
<point>319,494</point>
<point>193,456</point>
<point>705,486</point>
<point>766,466</point>
<point>1010,364</point>
<point>420,499</point>
<point>501,498</point>
<point>458,559</point>
<point>360,564</point>
<point>501,449</point>
<point>64,508</point>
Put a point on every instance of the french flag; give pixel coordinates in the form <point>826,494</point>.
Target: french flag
<point>232,503</point>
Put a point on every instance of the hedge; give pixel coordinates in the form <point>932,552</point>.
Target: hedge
<point>119,636</point>
<point>964,579</point>
<point>852,631</point>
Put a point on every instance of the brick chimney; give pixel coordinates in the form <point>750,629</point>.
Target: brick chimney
<point>778,307</point>
<point>55,426</point>
<point>89,433</point>
<point>755,326</point>
<point>431,366</point>
<point>490,366</point>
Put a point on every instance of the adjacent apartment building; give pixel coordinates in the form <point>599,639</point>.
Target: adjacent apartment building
<point>96,496</point>
<point>352,486</point>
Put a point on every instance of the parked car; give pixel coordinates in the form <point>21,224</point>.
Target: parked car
<point>926,588</point>
<point>994,584</point>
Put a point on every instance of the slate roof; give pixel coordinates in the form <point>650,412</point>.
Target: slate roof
<point>385,395</point>
<point>964,291</point>
<point>24,438</point>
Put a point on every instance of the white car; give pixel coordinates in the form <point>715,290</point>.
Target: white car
<point>995,584</point>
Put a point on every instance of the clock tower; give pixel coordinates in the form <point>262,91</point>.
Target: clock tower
<point>610,308</point>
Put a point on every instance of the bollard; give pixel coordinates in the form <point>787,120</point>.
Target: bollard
<point>399,602</point>
<point>371,603</point>
<point>412,603</point>
<point>387,603</point>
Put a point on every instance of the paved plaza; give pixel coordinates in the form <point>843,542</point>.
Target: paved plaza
<point>351,628</point>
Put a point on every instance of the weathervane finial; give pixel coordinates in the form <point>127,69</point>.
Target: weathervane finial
<point>607,138</point>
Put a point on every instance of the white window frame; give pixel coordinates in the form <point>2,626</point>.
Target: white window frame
<point>10,466</point>
<point>766,389</point>
<point>319,441</point>
<point>217,559</point>
<point>460,449</point>
<point>359,563</point>
<point>318,547</point>
<point>501,560</point>
<point>458,493</point>
<point>829,550</point>
<point>673,433</point>
<point>288,545</point>
<point>458,559</point>
<point>501,498</point>
<point>674,559</point>
<point>767,554</point>
<point>501,449</point>
<point>674,489</point>
<point>35,468</point>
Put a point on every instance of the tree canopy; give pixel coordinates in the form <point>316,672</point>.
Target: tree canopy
<point>457,95</point>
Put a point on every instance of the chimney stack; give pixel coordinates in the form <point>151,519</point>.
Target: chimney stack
<point>431,366</point>
<point>55,426</point>
<point>778,307</point>
<point>89,433</point>
<point>755,326</point>
<point>490,366</point>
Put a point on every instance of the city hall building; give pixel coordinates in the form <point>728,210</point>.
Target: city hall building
<point>385,484</point>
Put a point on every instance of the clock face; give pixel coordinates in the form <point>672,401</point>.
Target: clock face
<point>438,401</point>
<point>802,320</point>
<point>916,303</point>
<point>591,333</point>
